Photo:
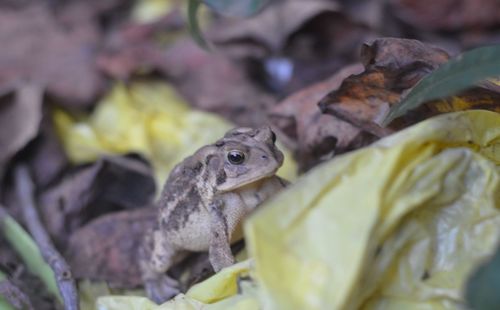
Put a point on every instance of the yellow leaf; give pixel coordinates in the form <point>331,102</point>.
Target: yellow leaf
<point>401,222</point>
<point>221,285</point>
<point>145,11</point>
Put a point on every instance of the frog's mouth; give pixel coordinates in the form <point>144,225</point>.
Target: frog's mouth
<point>229,186</point>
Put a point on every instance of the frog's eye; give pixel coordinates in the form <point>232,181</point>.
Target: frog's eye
<point>273,136</point>
<point>236,157</point>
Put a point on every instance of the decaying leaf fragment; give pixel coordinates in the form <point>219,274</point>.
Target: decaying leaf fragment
<point>312,135</point>
<point>391,67</point>
<point>456,75</point>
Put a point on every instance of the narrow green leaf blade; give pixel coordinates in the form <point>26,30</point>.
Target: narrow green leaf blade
<point>24,245</point>
<point>458,74</point>
<point>241,8</point>
<point>4,304</point>
<point>194,26</point>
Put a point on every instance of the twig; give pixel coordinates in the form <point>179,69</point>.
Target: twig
<point>64,279</point>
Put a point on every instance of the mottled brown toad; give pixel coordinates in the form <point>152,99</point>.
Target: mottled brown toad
<point>204,201</point>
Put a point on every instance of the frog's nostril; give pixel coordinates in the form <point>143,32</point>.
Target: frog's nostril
<point>264,157</point>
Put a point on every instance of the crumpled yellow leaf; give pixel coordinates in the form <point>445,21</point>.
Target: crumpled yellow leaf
<point>221,285</point>
<point>180,302</point>
<point>148,118</point>
<point>217,292</point>
<point>147,11</point>
<point>397,225</point>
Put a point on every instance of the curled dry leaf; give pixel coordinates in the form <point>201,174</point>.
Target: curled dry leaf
<point>391,67</point>
<point>20,115</point>
<point>110,184</point>
<point>312,135</point>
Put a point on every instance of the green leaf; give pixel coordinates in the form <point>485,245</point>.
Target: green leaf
<point>24,245</point>
<point>482,288</point>
<point>241,8</point>
<point>4,304</point>
<point>457,74</point>
<point>194,26</point>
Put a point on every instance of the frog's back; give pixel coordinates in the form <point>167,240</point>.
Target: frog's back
<point>181,201</point>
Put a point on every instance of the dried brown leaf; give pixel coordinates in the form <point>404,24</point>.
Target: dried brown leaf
<point>448,15</point>
<point>392,66</point>
<point>212,82</point>
<point>275,24</point>
<point>111,243</point>
<point>20,115</point>
<point>110,184</point>
<point>315,136</point>
<point>134,47</point>
<point>43,49</point>
<point>47,157</point>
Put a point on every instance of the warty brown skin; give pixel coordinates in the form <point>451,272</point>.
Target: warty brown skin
<point>204,201</point>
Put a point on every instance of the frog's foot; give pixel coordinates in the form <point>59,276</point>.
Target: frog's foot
<point>161,289</point>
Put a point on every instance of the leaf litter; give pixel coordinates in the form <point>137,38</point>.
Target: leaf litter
<point>118,92</point>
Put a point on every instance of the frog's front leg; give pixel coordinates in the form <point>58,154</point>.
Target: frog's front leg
<point>219,252</point>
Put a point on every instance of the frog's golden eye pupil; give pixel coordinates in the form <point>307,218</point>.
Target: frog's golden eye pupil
<point>236,157</point>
